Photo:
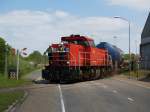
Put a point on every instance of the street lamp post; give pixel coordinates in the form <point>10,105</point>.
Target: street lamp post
<point>129,41</point>
<point>115,40</point>
<point>116,64</point>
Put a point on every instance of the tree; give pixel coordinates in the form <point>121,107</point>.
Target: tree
<point>2,55</point>
<point>35,57</point>
<point>126,57</point>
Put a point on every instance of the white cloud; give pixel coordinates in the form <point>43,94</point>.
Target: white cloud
<point>134,4</point>
<point>61,14</point>
<point>37,29</point>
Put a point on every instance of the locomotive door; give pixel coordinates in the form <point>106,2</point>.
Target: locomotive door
<point>87,56</point>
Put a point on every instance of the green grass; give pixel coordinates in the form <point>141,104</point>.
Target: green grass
<point>7,98</point>
<point>7,83</point>
<point>26,68</point>
<point>139,74</point>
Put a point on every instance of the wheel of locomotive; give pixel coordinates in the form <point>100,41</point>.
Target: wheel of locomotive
<point>102,72</point>
<point>89,75</point>
<point>107,73</point>
<point>98,73</point>
<point>75,75</point>
<point>80,72</point>
<point>72,76</point>
<point>85,74</point>
<point>111,70</point>
<point>50,77</point>
<point>92,74</point>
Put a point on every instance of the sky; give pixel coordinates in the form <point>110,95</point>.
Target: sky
<point>35,24</point>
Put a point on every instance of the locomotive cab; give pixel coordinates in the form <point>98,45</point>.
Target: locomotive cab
<point>78,40</point>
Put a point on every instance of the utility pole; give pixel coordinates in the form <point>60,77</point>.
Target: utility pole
<point>129,29</point>
<point>6,62</point>
<point>136,47</point>
<point>18,54</point>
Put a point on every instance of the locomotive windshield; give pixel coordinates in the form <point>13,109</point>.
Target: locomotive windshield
<point>80,42</point>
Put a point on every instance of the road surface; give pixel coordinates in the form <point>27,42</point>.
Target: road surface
<point>106,95</point>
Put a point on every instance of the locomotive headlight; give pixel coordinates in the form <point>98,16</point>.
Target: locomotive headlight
<point>67,49</point>
<point>68,62</point>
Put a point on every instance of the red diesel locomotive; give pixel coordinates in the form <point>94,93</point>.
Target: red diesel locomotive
<point>76,58</point>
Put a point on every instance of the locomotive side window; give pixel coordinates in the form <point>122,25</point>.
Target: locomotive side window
<point>79,42</point>
<point>70,42</point>
<point>83,43</point>
<point>65,42</point>
<point>92,44</point>
<point>73,42</point>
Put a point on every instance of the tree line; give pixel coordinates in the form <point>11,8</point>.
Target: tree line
<point>27,64</point>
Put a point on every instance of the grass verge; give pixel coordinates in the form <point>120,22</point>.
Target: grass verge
<point>137,74</point>
<point>7,98</point>
<point>7,83</point>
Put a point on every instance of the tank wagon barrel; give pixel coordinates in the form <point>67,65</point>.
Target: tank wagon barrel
<point>115,53</point>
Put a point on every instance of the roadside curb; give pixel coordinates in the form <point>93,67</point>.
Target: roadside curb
<point>12,107</point>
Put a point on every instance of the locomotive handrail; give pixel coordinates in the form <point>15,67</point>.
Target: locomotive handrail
<point>63,61</point>
<point>59,51</point>
<point>85,57</point>
<point>92,60</point>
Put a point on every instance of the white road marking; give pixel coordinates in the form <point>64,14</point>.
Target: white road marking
<point>99,84</point>
<point>61,99</point>
<point>104,86</point>
<point>114,91</point>
<point>130,99</point>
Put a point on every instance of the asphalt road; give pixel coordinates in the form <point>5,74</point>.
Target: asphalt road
<point>33,75</point>
<point>106,95</point>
